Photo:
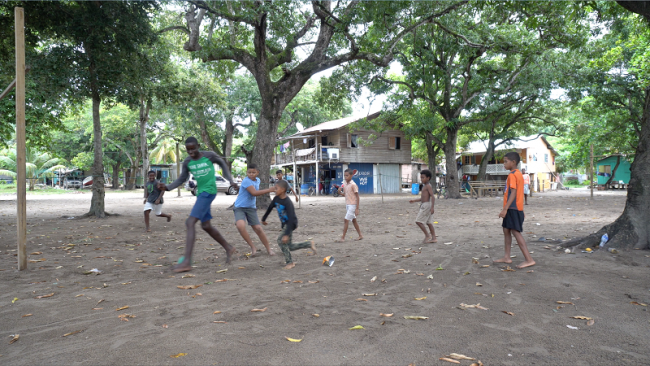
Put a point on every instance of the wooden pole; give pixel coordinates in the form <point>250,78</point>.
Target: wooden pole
<point>21,197</point>
<point>178,166</point>
<point>381,188</point>
<point>295,175</point>
<point>591,170</point>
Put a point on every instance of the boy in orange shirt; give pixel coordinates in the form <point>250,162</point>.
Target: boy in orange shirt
<point>513,211</point>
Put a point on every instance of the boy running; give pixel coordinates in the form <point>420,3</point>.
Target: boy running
<point>289,221</point>
<point>513,211</point>
<point>279,176</point>
<point>351,192</point>
<point>427,201</point>
<point>200,164</point>
<point>246,208</point>
<point>153,200</point>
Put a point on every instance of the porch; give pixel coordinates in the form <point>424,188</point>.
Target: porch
<point>493,169</point>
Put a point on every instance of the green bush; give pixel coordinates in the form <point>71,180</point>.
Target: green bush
<point>586,183</point>
<point>573,182</point>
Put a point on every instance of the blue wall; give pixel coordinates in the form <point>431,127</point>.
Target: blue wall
<point>363,178</point>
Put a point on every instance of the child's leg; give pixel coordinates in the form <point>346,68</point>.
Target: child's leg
<point>528,260</point>
<point>262,235</point>
<point>433,233</point>
<point>186,265</point>
<point>241,227</point>
<point>356,226</point>
<point>525,202</point>
<point>346,223</point>
<point>424,230</point>
<point>169,217</point>
<point>216,235</point>
<point>507,240</point>
<point>285,250</point>
<point>146,220</point>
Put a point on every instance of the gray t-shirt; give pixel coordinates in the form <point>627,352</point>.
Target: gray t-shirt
<point>153,191</point>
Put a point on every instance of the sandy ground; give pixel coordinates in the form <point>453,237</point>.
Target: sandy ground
<point>168,320</point>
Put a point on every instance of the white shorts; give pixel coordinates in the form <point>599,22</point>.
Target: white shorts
<point>526,189</point>
<point>157,209</point>
<point>349,215</point>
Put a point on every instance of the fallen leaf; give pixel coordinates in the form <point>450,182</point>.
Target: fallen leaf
<point>564,302</point>
<point>298,281</point>
<point>457,356</point>
<point>139,261</point>
<point>222,271</point>
<point>14,300</point>
<point>479,284</point>
<point>415,317</point>
<point>430,277</point>
<point>373,279</point>
<point>71,333</point>
<point>189,275</point>
<point>448,360</point>
<point>258,310</point>
<point>26,315</point>
<point>374,294</point>
<point>44,296</point>
<point>474,260</point>
<point>314,281</point>
<point>420,298</point>
<point>36,253</point>
<point>590,322</point>
<point>122,308</point>
<point>315,315</point>
<point>474,306</point>
<point>508,269</point>
<point>15,338</point>
<point>293,340</point>
<point>439,268</point>
<point>125,316</point>
<point>79,295</point>
<point>385,315</point>
<point>581,317</point>
<point>485,266</point>
<point>102,300</point>
<point>572,327</point>
<point>638,303</point>
<point>178,355</point>
<point>507,312</point>
<point>357,327</point>
<point>360,299</point>
<point>189,287</point>
<point>97,308</point>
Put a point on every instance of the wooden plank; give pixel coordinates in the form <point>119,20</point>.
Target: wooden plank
<point>9,88</point>
<point>21,178</point>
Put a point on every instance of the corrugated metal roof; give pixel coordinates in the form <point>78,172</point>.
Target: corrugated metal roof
<point>332,125</point>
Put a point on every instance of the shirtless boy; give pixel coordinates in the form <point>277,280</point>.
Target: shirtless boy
<point>427,201</point>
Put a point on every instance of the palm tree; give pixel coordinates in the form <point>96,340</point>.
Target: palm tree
<point>38,165</point>
<point>165,152</point>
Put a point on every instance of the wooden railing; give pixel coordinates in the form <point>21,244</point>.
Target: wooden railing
<point>301,155</point>
<point>497,169</point>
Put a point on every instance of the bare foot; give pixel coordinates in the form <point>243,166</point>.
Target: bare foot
<point>147,230</point>
<point>254,252</point>
<point>229,254</point>
<point>432,241</point>
<point>289,266</point>
<point>169,218</point>
<point>181,267</point>
<point>342,240</point>
<point>503,260</point>
<point>359,238</point>
<point>426,240</point>
<point>271,252</point>
<point>526,264</point>
<point>313,247</point>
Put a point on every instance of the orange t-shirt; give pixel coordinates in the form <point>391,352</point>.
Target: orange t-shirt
<point>350,189</point>
<point>515,181</point>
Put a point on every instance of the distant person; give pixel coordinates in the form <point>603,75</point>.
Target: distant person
<point>289,221</point>
<point>200,164</point>
<point>526,185</point>
<point>513,211</point>
<point>427,201</point>
<point>351,192</point>
<point>153,200</point>
<point>279,176</point>
<point>246,208</point>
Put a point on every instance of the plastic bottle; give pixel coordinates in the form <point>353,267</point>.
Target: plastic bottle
<point>603,240</point>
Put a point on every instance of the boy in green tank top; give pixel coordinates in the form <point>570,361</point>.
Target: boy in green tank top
<point>200,164</point>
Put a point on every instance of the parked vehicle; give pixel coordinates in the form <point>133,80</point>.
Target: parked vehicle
<point>222,186</point>
<point>335,190</point>
<point>70,182</point>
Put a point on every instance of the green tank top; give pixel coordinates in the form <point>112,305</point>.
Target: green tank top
<point>203,172</point>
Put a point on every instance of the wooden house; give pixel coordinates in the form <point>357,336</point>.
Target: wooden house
<point>605,167</point>
<point>327,149</point>
<point>536,153</point>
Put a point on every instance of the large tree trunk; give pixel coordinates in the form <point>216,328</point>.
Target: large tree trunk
<point>267,127</point>
<point>129,178</point>
<point>97,201</point>
<point>145,107</point>
<point>116,176</point>
<point>453,186</point>
<point>631,229</point>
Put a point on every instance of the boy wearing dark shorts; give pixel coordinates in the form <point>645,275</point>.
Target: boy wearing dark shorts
<point>200,164</point>
<point>289,221</point>
<point>513,211</point>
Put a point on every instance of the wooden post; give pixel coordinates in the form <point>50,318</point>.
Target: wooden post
<point>317,163</point>
<point>21,198</point>
<point>178,166</point>
<point>295,175</point>
<point>591,170</point>
<point>381,188</point>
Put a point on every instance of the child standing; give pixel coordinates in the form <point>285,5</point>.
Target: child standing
<point>513,211</point>
<point>526,185</point>
<point>287,215</point>
<point>351,192</point>
<point>427,201</point>
<point>279,176</point>
<point>246,208</point>
<point>153,200</point>
<point>200,164</point>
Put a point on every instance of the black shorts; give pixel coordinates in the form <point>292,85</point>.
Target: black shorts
<point>514,220</point>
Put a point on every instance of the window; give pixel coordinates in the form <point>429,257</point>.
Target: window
<point>323,140</point>
<point>394,143</point>
<point>534,157</point>
<point>605,169</point>
<point>467,159</point>
<point>312,143</point>
<point>546,158</point>
<point>353,141</point>
<point>398,143</point>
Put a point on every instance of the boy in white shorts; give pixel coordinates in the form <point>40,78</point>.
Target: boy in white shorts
<point>153,200</point>
<point>351,192</point>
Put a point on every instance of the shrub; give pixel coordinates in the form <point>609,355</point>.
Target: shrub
<point>572,181</point>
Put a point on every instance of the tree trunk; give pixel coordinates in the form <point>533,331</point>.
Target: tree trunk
<point>97,201</point>
<point>453,187</point>
<point>267,127</point>
<point>145,107</point>
<point>116,176</point>
<point>129,181</point>
<point>205,135</point>
<point>489,153</point>
<point>227,146</point>
<point>631,229</point>
<point>432,152</point>
<point>618,162</point>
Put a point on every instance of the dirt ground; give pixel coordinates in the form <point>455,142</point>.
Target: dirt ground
<point>169,321</point>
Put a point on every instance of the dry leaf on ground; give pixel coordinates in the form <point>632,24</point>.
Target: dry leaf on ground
<point>385,315</point>
<point>222,271</point>
<point>564,302</point>
<point>415,317</point>
<point>315,315</point>
<point>638,303</point>
<point>44,296</point>
<point>189,275</point>
<point>217,312</point>
<point>165,326</point>
<point>15,338</point>
<point>370,294</point>
<point>508,312</point>
<point>475,306</point>
<point>580,317</point>
<point>122,308</point>
<point>26,315</point>
<point>360,299</point>
<point>373,279</point>
<point>189,287</point>
<point>448,360</point>
<point>178,355</point>
<point>258,310</point>
<point>590,322</point>
<point>420,298</point>
<point>357,327</point>
<point>458,356</point>
<point>293,340</point>
<point>71,333</point>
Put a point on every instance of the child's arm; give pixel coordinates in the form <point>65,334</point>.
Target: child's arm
<point>216,159</point>
<point>162,193</point>
<point>185,173</point>
<point>511,199</point>
<point>432,199</point>
<point>356,194</point>
<point>255,192</point>
<point>146,193</point>
<point>268,211</point>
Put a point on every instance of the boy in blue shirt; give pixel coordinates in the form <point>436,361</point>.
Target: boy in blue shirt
<point>246,208</point>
